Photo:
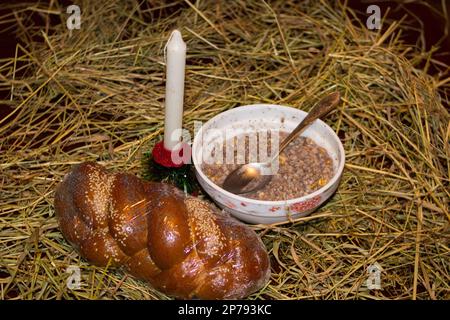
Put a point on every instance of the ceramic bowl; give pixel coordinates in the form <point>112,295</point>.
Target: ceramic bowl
<point>271,117</point>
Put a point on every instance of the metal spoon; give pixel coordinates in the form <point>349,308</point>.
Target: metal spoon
<point>254,176</point>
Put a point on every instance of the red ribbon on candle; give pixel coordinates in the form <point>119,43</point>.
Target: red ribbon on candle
<point>164,157</point>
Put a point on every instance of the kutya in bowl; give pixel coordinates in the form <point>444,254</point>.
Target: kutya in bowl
<point>254,118</point>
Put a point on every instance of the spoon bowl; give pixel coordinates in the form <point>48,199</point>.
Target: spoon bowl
<point>250,118</point>
<point>254,176</point>
<point>248,178</point>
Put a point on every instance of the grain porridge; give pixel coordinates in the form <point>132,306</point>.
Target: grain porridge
<point>304,166</point>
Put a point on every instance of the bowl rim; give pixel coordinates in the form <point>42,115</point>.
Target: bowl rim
<point>319,191</point>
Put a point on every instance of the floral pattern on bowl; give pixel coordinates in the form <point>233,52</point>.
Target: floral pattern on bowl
<point>302,206</point>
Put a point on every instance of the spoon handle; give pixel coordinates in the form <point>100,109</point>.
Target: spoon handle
<point>322,108</point>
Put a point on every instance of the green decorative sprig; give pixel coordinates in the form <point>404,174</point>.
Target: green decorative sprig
<point>182,177</point>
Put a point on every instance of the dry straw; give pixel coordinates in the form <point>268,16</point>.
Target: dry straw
<point>97,94</point>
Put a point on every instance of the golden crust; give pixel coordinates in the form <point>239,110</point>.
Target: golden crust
<point>181,245</point>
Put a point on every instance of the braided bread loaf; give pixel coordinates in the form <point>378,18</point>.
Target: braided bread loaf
<point>181,245</point>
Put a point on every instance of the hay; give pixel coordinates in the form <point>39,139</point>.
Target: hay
<point>97,94</point>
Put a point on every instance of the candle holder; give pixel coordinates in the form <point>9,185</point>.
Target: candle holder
<point>159,166</point>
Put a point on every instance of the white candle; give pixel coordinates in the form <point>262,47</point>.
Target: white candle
<point>175,64</point>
